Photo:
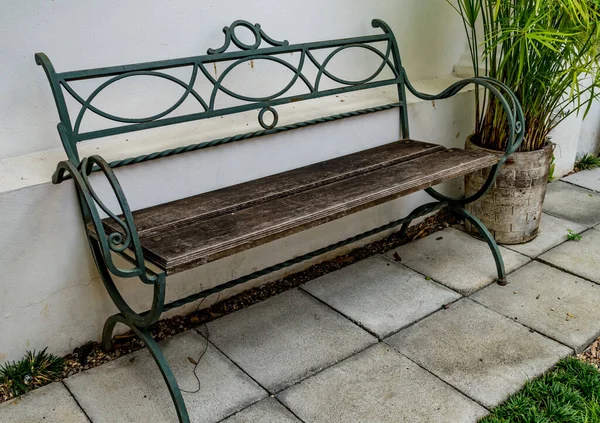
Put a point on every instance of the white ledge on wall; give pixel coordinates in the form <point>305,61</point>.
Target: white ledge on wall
<point>37,168</point>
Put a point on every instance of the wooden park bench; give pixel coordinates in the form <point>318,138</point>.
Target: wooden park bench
<point>169,238</point>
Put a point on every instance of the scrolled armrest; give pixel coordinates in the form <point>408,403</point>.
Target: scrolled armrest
<point>91,204</point>
<point>506,97</point>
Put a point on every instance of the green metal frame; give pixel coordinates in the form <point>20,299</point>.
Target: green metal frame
<point>126,242</point>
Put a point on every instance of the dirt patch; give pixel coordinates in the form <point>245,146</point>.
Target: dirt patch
<point>592,354</point>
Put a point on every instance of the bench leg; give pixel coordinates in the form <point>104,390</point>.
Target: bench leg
<point>487,236</point>
<point>158,356</point>
<point>418,212</point>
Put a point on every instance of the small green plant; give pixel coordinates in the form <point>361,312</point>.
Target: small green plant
<point>573,236</point>
<point>588,162</point>
<point>546,51</point>
<point>34,370</point>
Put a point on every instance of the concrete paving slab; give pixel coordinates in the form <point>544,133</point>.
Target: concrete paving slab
<point>49,404</point>
<point>268,410</point>
<point>381,296</point>
<point>456,259</point>
<point>286,338</point>
<point>131,389</point>
<point>481,353</point>
<point>553,231</point>
<point>378,385</point>
<point>572,203</point>
<point>579,257</point>
<point>557,304</point>
<point>589,179</point>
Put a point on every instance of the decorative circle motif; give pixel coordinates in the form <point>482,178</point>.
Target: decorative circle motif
<point>518,127</point>
<point>115,239</point>
<point>252,28</point>
<point>116,242</point>
<point>261,115</point>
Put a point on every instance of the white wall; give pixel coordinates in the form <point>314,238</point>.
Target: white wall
<point>50,294</point>
<point>78,34</point>
<point>589,138</point>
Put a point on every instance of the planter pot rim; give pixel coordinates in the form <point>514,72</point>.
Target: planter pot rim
<point>548,145</point>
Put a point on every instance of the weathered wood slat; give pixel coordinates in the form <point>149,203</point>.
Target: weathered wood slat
<point>181,247</point>
<point>227,200</point>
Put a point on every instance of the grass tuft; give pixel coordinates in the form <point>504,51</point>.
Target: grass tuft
<point>568,394</point>
<point>588,162</point>
<point>32,371</point>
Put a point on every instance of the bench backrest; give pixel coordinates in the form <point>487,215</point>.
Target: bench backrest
<point>313,87</point>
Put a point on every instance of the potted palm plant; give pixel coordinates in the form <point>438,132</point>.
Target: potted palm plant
<point>546,51</point>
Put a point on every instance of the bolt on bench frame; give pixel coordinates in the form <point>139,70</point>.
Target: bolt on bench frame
<point>103,243</point>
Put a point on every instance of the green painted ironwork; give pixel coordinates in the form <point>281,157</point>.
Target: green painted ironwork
<point>487,236</point>
<point>126,243</point>
<point>248,135</point>
<point>71,134</point>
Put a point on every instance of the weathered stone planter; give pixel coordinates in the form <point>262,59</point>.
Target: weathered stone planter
<point>512,208</point>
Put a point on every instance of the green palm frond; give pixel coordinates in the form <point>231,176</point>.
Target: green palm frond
<point>546,51</point>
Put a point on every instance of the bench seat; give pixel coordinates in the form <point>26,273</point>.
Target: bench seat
<point>183,234</point>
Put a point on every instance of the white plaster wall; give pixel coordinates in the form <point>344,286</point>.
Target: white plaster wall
<point>50,294</point>
<point>78,34</point>
<point>589,138</point>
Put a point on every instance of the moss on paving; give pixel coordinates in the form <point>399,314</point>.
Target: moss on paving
<point>568,394</point>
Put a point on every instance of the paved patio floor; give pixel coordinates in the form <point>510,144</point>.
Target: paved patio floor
<point>426,338</point>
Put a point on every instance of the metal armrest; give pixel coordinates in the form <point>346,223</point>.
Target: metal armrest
<point>516,127</point>
<point>511,105</point>
<point>118,241</point>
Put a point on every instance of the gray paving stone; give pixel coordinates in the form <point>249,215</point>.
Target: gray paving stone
<point>589,179</point>
<point>555,303</point>
<point>579,257</point>
<point>572,203</point>
<point>381,296</point>
<point>131,389</point>
<point>483,354</point>
<point>50,404</point>
<point>266,411</point>
<point>378,385</point>
<point>286,338</point>
<point>457,260</point>
<point>553,231</point>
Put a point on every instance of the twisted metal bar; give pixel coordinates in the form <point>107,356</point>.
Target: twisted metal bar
<point>248,135</point>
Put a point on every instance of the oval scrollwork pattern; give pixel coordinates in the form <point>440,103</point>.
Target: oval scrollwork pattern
<point>306,82</point>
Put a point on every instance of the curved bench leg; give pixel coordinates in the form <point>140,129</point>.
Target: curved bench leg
<point>158,356</point>
<point>487,236</point>
<point>418,212</point>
